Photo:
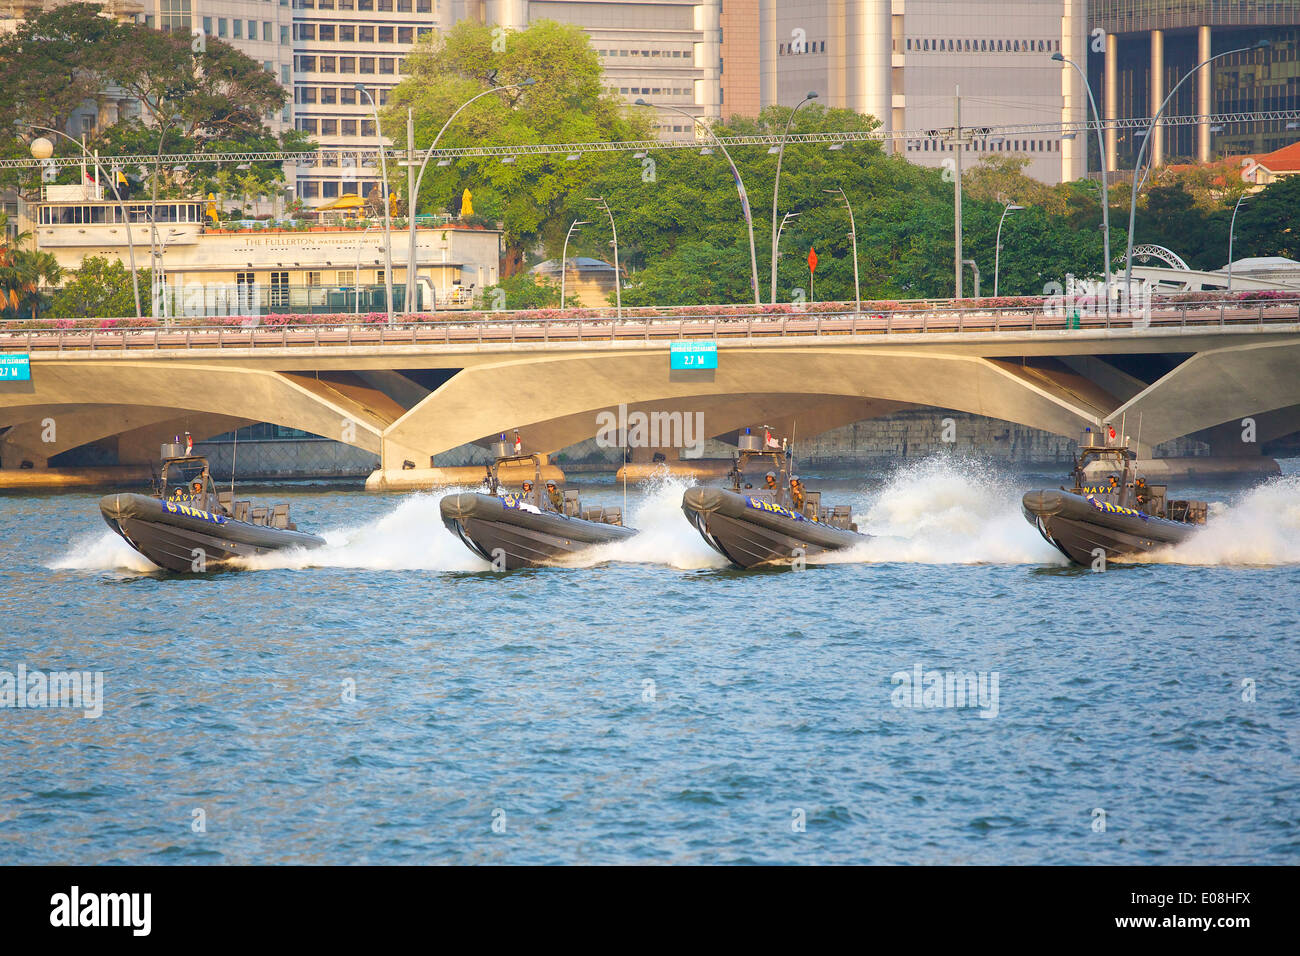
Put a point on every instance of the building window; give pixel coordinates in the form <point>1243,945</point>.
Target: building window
<point>405,35</point>
<point>347,127</point>
<point>327,64</point>
<point>222,27</point>
<point>280,280</point>
<point>345,277</point>
<point>347,64</point>
<point>329,127</point>
<point>328,95</point>
<point>385,34</point>
<point>326,32</point>
<point>366,34</point>
<point>367,127</point>
<point>348,96</point>
<point>386,64</point>
<point>312,275</point>
<point>347,33</point>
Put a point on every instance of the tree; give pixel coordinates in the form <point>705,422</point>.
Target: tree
<point>100,288</point>
<point>1268,224</point>
<point>567,103</point>
<point>212,100</point>
<point>524,290</point>
<point>24,275</point>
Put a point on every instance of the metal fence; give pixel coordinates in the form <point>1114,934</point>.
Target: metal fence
<point>514,330</point>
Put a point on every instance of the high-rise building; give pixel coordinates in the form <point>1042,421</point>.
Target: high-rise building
<point>903,62</point>
<point>663,51</point>
<point>338,44</point>
<point>1141,49</point>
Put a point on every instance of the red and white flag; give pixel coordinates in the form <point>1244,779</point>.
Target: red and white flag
<point>189,443</point>
<point>768,440</point>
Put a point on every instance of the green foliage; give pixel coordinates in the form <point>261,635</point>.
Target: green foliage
<point>524,290</point>
<point>25,275</point>
<point>213,101</point>
<point>567,104</point>
<point>101,288</point>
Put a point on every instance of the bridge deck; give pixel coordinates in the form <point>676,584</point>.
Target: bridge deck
<point>595,332</point>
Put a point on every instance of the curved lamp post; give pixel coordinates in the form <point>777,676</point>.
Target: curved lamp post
<point>740,189</point>
<point>46,150</point>
<point>1232,226</point>
<point>1137,167</point>
<point>155,246</point>
<point>388,212</point>
<point>1105,184</point>
<point>409,301</point>
<point>618,278</point>
<point>853,233</point>
<point>776,186</point>
<point>564,256</point>
<point>997,246</point>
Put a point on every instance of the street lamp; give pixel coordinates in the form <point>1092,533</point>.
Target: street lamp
<point>413,186</point>
<point>42,148</point>
<point>618,279</point>
<point>1231,227</point>
<point>740,189</point>
<point>776,186</point>
<point>388,213</point>
<point>564,256</point>
<point>1105,184</point>
<point>1137,166</point>
<point>997,246</point>
<point>781,228</point>
<point>853,233</point>
<point>155,249</point>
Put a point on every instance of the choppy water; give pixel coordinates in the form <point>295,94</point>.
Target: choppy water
<point>526,698</point>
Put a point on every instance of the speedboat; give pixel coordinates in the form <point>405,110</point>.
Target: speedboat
<point>530,527</point>
<point>188,527</point>
<point>777,523</point>
<point>1114,517</point>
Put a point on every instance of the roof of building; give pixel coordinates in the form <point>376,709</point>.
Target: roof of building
<point>1284,160</point>
<point>581,263</point>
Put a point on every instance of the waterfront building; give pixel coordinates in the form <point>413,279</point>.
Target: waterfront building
<point>262,267</point>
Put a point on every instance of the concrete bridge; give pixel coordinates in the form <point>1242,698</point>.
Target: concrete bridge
<point>415,389</point>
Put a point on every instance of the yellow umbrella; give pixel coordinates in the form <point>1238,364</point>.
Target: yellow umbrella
<point>466,203</point>
<point>212,207</point>
<point>346,201</point>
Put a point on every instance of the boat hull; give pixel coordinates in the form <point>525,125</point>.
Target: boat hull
<point>514,537</point>
<point>750,531</point>
<point>189,540</point>
<point>1079,526</point>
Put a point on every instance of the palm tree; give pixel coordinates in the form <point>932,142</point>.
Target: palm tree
<point>24,274</point>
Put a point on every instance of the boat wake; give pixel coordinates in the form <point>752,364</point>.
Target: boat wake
<point>946,510</point>
<point>1261,528</point>
<point>103,551</point>
<point>665,537</point>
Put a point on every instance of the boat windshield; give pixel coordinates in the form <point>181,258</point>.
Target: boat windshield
<point>180,475</point>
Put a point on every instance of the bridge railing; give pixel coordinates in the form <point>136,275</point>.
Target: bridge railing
<point>452,330</point>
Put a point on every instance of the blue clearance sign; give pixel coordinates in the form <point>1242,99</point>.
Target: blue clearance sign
<point>15,368</point>
<point>691,355</point>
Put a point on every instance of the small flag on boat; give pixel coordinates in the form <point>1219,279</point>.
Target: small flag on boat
<point>189,443</point>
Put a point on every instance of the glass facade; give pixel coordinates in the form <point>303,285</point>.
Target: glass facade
<point>1252,81</point>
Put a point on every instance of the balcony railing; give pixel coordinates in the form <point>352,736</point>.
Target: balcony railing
<point>534,329</point>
